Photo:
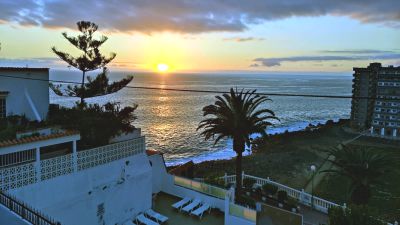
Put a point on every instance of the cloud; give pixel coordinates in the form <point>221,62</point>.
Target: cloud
<point>190,16</point>
<point>50,62</point>
<point>270,62</point>
<point>243,39</point>
<point>255,65</point>
<point>356,51</point>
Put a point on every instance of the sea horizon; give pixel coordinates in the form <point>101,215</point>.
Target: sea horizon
<point>169,118</point>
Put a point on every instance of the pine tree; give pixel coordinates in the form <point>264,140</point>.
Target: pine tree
<point>91,59</point>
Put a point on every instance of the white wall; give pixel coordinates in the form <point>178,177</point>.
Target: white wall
<point>67,199</point>
<point>17,100</point>
<point>159,172</point>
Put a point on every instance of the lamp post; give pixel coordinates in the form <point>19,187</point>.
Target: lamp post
<point>313,168</point>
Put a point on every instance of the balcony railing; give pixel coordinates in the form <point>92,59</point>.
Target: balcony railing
<point>243,212</point>
<point>200,187</point>
<point>304,198</point>
<point>29,173</point>
<point>27,213</point>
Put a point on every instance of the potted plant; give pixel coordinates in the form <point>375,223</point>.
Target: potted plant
<point>269,190</point>
<point>258,192</point>
<point>292,203</point>
<point>248,202</point>
<point>248,185</point>
<point>282,196</point>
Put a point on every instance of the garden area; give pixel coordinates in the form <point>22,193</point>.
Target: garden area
<point>285,158</point>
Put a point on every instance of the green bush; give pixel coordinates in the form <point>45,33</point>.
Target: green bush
<point>214,179</point>
<point>248,183</point>
<point>292,202</point>
<point>282,196</point>
<point>10,125</point>
<point>247,201</point>
<point>96,124</point>
<point>353,215</point>
<point>270,189</point>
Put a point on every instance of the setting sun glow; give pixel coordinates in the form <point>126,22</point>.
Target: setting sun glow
<point>162,67</point>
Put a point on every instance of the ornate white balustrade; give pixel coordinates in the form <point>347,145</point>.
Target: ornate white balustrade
<point>29,173</point>
<point>17,176</point>
<point>105,154</point>
<point>56,166</point>
<point>304,198</point>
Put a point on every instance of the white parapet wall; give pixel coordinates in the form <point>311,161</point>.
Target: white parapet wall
<point>28,91</point>
<point>111,193</point>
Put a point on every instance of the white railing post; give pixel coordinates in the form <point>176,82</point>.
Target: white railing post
<point>226,179</point>
<point>74,157</point>
<point>37,165</point>
<point>242,176</point>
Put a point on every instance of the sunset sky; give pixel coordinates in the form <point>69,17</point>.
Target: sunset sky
<point>209,35</point>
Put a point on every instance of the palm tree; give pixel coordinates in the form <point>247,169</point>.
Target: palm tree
<point>364,167</point>
<point>237,116</point>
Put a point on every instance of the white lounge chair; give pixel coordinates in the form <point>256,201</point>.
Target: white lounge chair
<point>191,206</point>
<point>157,216</point>
<point>143,220</point>
<point>199,211</point>
<point>129,223</point>
<point>181,203</point>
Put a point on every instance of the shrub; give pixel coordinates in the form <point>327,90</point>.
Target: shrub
<point>96,124</point>
<point>248,183</point>
<point>10,125</point>
<point>353,215</point>
<point>214,179</point>
<point>282,196</point>
<point>292,202</point>
<point>270,189</point>
<point>247,201</point>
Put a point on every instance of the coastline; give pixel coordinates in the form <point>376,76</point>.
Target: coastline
<point>227,153</point>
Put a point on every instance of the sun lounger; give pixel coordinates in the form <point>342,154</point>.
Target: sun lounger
<point>181,203</point>
<point>129,223</point>
<point>199,211</point>
<point>143,220</point>
<point>191,206</point>
<point>157,216</point>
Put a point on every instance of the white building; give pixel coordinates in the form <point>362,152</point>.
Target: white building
<point>23,92</point>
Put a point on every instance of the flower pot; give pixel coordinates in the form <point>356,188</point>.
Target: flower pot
<point>264,198</point>
<point>294,210</point>
<point>280,205</point>
<point>247,193</point>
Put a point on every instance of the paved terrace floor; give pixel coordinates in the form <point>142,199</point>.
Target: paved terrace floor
<point>313,217</point>
<point>163,204</point>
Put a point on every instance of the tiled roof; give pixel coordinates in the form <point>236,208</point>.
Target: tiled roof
<point>36,138</point>
<point>151,152</point>
<point>23,69</point>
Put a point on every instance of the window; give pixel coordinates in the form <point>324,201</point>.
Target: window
<point>3,110</point>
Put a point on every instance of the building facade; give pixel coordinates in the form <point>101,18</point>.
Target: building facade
<point>378,109</point>
<point>24,91</point>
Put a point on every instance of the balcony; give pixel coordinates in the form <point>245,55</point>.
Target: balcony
<point>163,202</point>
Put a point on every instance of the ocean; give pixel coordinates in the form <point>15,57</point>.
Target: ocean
<point>169,119</point>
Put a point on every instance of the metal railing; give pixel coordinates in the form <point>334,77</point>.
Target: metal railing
<point>304,198</point>
<point>29,173</point>
<point>26,212</point>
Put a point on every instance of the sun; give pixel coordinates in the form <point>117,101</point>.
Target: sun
<point>162,67</point>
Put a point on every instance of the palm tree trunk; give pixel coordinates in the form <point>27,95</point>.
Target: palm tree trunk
<point>238,175</point>
<point>238,147</point>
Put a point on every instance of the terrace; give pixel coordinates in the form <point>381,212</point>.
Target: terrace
<point>162,204</point>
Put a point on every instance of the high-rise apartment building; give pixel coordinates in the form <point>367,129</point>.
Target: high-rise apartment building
<point>378,108</point>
